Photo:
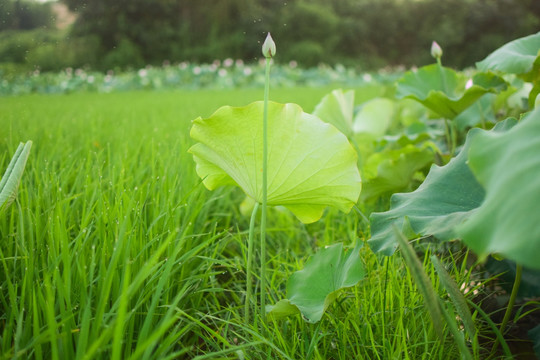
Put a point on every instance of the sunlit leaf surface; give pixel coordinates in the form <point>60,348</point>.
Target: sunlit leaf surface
<point>311,165</point>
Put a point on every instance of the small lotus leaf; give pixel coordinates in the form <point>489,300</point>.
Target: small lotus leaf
<point>441,90</point>
<point>336,108</point>
<point>508,166</point>
<point>312,289</point>
<point>311,165</point>
<point>374,117</point>
<point>393,170</point>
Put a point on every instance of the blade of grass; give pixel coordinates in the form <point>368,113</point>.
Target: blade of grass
<point>423,282</point>
<point>121,317</point>
<point>493,326</point>
<point>12,177</point>
<point>510,306</point>
<point>456,296</point>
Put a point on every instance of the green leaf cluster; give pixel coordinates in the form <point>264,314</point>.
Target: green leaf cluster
<point>486,194</point>
<point>470,171</point>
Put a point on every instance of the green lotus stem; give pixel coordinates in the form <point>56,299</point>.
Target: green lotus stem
<point>449,131</point>
<point>441,74</point>
<point>510,306</point>
<point>450,134</point>
<point>268,50</point>
<point>249,285</point>
<point>264,189</point>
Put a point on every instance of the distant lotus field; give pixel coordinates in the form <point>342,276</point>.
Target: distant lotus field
<point>221,74</point>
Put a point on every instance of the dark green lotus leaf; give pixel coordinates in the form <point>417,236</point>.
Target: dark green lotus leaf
<point>12,177</point>
<point>445,199</point>
<point>312,289</point>
<point>443,91</point>
<point>336,108</point>
<point>507,164</point>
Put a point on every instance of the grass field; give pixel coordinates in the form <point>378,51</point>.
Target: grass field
<point>115,250</point>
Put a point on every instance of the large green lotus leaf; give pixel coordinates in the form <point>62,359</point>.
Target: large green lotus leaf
<point>12,177</point>
<point>311,165</point>
<point>393,170</point>
<point>521,57</point>
<point>442,90</point>
<point>515,57</point>
<point>312,289</point>
<point>336,108</point>
<point>443,200</point>
<point>446,198</point>
<point>508,166</point>
<point>374,117</point>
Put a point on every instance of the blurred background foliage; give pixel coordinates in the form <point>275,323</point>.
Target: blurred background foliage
<point>368,34</point>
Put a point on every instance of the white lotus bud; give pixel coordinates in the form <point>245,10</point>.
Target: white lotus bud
<point>436,50</point>
<point>269,47</point>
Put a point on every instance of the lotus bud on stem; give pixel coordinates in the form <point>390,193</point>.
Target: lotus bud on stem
<point>268,50</point>
<point>436,51</point>
<point>269,47</point>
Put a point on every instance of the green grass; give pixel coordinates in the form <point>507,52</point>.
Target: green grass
<point>114,249</point>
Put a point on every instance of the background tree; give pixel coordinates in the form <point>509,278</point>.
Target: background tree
<point>365,33</point>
